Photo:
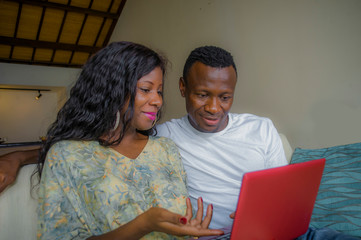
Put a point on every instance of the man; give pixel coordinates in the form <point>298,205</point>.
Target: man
<point>218,147</point>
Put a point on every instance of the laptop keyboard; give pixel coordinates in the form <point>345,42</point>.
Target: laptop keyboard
<point>226,236</point>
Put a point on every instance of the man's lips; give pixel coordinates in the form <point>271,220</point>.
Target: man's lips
<point>151,115</point>
<point>211,121</point>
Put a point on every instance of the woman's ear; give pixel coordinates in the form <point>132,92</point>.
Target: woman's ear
<point>182,87</point>
<point>117,120</point>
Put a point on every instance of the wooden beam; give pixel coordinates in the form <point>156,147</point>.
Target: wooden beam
<point>67,8</point>
<point>48,45</point>
<point>41,63</point>
<point>114,22</point>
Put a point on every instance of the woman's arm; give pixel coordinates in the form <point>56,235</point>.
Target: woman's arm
<point>10,164</point>
<point>162,220</point>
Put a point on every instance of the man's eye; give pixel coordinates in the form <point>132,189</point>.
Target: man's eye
<point>201,95</point>
<point>226,98</point>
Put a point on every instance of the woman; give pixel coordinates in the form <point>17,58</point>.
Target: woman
<point>103,174</point>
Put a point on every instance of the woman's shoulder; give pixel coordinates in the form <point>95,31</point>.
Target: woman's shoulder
<point>73,145</point>
<point>163,142</point>
<point>72,150</point>
<point>166,151</point>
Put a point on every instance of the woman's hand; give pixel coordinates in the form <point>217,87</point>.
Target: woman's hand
<point>175,224</point>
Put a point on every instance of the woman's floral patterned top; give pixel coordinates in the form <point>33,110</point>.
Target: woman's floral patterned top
<point>87,189</point>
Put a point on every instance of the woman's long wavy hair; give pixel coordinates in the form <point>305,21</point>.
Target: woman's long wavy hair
<point>107,84</point>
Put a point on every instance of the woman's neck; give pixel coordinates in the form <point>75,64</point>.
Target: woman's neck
<point>132,144</point>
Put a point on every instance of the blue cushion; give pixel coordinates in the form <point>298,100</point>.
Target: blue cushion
<point>338,203</point>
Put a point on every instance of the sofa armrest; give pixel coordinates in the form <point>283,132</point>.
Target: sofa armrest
<point>18,216</point>
<point>287,147</point>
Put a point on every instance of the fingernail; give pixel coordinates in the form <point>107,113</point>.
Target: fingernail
<point>183,220</point>
<point>212,206</point>
<point>202,199</point>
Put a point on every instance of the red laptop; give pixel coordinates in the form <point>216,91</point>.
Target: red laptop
<point>276,203</point>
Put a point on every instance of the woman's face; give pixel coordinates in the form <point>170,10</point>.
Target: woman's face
<point>148,99</point>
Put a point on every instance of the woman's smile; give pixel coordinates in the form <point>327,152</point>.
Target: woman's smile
<point>151,115</point>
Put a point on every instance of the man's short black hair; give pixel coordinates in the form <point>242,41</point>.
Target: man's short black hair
<point>210,56</point>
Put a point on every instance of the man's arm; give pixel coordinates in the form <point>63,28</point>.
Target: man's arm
<point>10,164</point>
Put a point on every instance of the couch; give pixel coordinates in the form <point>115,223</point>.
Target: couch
<point>18,219</point>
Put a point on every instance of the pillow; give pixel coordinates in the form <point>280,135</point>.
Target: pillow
<point>338,203</point>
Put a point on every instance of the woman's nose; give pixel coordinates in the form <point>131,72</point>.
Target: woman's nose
<point>157,100</point>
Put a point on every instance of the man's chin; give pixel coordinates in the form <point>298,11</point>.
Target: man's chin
<point>204,126</point>
<point>208,129</point>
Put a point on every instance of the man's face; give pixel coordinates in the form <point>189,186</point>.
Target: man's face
<point>209,96</point>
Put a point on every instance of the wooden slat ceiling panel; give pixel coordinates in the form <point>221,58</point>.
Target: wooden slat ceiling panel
<point>51,26</point>
<point>55,32</point>
<point>8,15</point>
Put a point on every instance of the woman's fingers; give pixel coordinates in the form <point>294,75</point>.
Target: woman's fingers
<point>207,219</point>
<point>199,221</point>
<point>199,214</point>
<point>189,210</point>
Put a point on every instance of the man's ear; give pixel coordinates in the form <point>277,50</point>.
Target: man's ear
<point>182,87</point>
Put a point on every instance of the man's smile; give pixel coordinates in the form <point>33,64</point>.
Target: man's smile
<point>211,121</point>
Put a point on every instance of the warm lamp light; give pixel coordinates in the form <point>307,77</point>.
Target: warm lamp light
<point>39,96</point>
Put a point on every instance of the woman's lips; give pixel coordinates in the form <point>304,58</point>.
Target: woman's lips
<point>151,115</point>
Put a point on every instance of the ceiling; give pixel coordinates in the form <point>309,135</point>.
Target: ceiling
<point>62,33</point>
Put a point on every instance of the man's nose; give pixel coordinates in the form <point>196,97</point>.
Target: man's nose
<point>213,106</point>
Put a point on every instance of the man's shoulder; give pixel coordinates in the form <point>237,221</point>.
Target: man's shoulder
<point>173,121</point>
<point>249,124</point>
<point>242,118</point>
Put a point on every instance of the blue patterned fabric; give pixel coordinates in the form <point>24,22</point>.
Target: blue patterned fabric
<point>325,234</point>
<point>338,203</point>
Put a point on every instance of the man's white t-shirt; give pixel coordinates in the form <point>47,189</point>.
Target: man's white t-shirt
<point>215,162</point>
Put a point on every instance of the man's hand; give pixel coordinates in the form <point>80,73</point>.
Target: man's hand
<point>9,167</point>
<point>10,164</point>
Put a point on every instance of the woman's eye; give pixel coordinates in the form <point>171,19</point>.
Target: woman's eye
<point>146,90</point>
<point>160,93</point>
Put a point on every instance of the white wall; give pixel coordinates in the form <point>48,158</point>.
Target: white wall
<point>22,118</point>
<point>31,75</point>
<point>299,62</point>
